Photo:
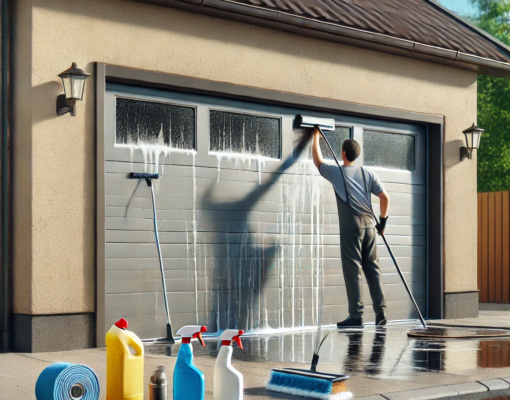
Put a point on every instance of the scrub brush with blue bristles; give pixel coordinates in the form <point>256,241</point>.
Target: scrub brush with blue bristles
<point>304,383</point>
<point>310,383</point>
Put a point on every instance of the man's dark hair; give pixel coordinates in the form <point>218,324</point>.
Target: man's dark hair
<point>351,148</point>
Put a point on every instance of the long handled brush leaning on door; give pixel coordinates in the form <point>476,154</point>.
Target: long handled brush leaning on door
<point>148,178</point>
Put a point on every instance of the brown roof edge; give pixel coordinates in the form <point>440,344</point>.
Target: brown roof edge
<point>341,34</point>
<point>470,25</point>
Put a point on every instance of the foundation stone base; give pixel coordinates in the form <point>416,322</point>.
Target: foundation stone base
<point>461,305</point>
<point>41,333</point>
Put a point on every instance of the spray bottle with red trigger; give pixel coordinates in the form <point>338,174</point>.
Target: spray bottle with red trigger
<point>228,382</point>
<point>189,381</point>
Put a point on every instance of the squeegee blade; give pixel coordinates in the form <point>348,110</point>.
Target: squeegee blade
<point>326,124</point>
<point>144,175</point>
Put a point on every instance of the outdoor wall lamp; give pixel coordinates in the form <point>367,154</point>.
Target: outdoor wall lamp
<point>73,80</point>
<point>473,135</point>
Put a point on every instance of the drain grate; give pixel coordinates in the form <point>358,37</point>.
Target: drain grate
<point>457,332</point>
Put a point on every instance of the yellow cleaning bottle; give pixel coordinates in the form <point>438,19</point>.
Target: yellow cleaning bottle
<point>124,363</point>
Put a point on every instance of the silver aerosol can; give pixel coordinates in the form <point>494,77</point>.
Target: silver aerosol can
<point>158,388</point>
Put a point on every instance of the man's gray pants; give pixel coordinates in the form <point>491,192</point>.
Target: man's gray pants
<point>359,252</point>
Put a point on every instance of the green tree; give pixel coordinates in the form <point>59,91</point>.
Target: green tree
<point>494,104</point>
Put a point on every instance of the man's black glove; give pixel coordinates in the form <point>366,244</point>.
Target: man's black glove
<point>381,226</point>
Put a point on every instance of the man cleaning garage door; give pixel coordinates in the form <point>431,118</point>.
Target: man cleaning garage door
<point>357,231</point>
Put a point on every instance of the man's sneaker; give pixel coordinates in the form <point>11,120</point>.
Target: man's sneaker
<point>350,323</point>
<point>380,319</point>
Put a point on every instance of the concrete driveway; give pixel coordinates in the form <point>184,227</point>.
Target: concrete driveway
<point>379,361</point>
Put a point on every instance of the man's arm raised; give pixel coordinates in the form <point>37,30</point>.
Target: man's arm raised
<point>316,149</point>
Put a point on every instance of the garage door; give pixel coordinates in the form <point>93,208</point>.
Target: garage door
<point>398,156</point>
<point>248,228</point>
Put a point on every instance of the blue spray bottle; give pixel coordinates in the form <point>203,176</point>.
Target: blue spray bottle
<point>189,381</point>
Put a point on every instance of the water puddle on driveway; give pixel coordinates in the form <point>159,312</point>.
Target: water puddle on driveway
<point>385,353</point>
<point>494,354</point>
<point>438,332</point>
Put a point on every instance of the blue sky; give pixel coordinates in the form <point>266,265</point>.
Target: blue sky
<point>461,7</point>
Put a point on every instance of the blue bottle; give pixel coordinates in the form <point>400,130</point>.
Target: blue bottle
<point>189,381</point>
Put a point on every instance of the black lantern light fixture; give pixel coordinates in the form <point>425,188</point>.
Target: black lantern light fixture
<point>473,135</point>
<point>73,80</point>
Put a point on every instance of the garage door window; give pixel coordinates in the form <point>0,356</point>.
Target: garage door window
<point>389,150</point>
<point>149,122</point>
<point>244,134</point>
<point>336,139</point>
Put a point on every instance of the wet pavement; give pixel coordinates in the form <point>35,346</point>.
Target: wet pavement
<point>383,353</point>
<point>379,361</point>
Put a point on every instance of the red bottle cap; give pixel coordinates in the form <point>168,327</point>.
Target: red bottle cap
<point>237,339</point>
<point>122,323</point>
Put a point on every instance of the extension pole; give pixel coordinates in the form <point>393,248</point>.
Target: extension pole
<point>169,334</point>
<point>384,239</point>
<point>404,281</point>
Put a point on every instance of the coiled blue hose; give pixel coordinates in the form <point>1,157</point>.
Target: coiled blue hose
<point>65,381</point>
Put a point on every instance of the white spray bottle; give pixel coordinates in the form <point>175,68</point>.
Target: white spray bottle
<point>228,382</point>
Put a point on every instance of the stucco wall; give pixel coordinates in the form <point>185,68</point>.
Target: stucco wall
<point>54,156</point>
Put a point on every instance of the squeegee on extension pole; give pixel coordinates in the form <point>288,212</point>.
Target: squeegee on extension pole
<point>148,178</point>
<point>329,125</point>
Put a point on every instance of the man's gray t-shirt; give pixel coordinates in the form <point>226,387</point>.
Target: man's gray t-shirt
<point>359,194</point>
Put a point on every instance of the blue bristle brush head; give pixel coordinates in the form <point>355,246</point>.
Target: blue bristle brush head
<point>306,384</point>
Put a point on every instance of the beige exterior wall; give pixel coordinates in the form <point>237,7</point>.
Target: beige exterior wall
<point>54,156</point>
